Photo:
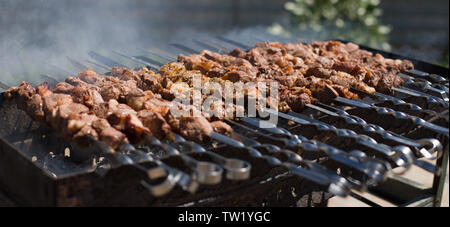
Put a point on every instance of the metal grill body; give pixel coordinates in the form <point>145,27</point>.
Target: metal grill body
<point>289,166</point>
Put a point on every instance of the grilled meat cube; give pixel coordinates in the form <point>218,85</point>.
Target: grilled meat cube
<point>198,62</point>
<point>297,102</point>
<point>75,81</point>
<point>90,76</point>
<point>108,134</point>
<point>257,58</point>
<point>89,97</point>
<point>109,92</point>
<point>325,93</point>
<point>65,113</point>
<point>50,106</point>
<point>238,53</point>
<point>103,110</point>
<point>236,76</point>
<point>22,93</point>
<point>117,90</point>
<point>90,127</point>
<point>348,58</point>
<point>288,80</point>
<point>73,123</point>
<point>300,50</point>
<point>391,64</point>
<point>296,98</point>
<point>63,87</point>
<point>110,87</point>
<point>172,69</point>
<point>385,84</point>
<point>274,54</point>
<point>71,120</point>
<point>221,127</point>
<point>319,71</point>
<point>155,122</point>
<point>123,118</point>
<point>344,92</point>
<point>124,73</point>
<point>347,80</point>
<point>143,79</point>
<point>158,106</point>
<point>84,136</point>
<point>324,89</point>
<point>194,128</point>
<point>34,109</point>
<point>352,69</point>
<point>231,63</point>
<point>137,98</point>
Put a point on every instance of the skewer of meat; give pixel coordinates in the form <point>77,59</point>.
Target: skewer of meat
<point>328,59</point>
<point>412,120</point>
<point>73,120</point>
<point>146,113</point>
<point>295,90</point>
<point>347,73</point>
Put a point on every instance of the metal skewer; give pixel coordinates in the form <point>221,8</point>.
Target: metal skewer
<point>173,176</point>
<point>297,159</point>
<point>380,110</point>
<point>205,172</point>
<point>347,162</point>
<point>426,88</point>
<point>371,144</point>
<point>235,169</point>
<point>337,188</point>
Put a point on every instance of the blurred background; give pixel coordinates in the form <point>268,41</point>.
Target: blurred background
<point>41,32</point>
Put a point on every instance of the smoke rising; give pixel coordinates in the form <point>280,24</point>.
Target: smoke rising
<point>37,34</point>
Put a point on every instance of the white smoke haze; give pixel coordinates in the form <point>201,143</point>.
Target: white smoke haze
<point>37,34</point>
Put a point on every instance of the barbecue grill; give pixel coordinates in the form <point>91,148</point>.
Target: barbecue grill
<point>374,140</point>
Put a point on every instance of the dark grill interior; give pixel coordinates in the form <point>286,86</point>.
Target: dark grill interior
<point>364,140</point>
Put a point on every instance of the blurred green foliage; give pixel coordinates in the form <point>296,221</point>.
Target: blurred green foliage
<point>445,61</point>
<point>352,20</point>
